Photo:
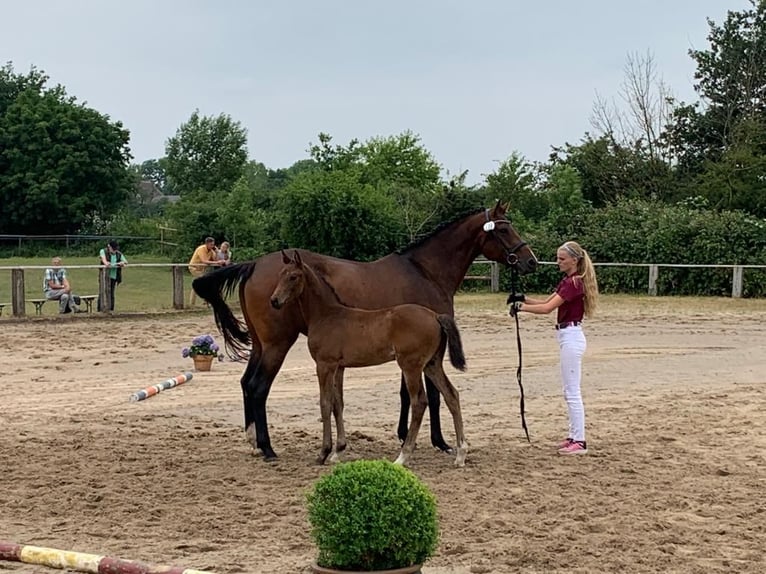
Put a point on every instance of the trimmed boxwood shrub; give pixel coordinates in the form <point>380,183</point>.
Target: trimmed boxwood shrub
<point>372,515</point>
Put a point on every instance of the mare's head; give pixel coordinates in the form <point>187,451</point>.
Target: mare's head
<point>501,242</point>
<point>291,282</point>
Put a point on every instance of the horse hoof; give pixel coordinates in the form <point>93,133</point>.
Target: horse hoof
<point>268,454</point>
<point>442,445</point>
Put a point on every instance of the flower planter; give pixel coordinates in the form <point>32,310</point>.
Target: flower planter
<point>414,569</point>
<point>203,362</point>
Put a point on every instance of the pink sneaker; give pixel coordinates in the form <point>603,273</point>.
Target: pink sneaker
<point>574,447</point>
<point>564,443</point>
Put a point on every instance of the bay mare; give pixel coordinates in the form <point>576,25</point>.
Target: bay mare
<point>341,337</point>
<point>427,273</point>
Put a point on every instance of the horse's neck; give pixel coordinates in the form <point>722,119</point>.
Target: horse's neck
<point>317,298</point>
<point>446,256</point>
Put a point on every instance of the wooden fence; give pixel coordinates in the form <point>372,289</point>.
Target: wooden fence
<point>177,270</point>
<point>652,268</point>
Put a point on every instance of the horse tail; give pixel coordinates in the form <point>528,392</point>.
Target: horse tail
<point>214,287</point>
<point>454,344</point>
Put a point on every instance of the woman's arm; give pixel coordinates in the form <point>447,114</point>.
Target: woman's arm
<point>538,301</point>
<point>553,302</point>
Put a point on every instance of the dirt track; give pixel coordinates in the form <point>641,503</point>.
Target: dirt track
<point>674,482</point>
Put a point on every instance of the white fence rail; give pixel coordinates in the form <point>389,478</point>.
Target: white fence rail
<point>652,268</point>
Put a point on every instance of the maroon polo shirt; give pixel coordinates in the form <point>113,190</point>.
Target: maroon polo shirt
<point>572,291</point>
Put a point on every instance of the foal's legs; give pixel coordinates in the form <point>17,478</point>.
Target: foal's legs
<point>451,396</point>
<point>337,411</point>
<point>418,400</point>
<point>437,439</point>
<point>326,375</point>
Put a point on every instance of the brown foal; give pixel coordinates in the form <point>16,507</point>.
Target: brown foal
<point>341,337</point>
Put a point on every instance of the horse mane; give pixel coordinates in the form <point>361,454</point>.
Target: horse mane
<point>321,278</point>
<point>439,228</point>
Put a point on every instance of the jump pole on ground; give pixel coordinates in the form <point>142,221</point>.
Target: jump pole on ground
<point>82,562</point>
<point>159,387</point>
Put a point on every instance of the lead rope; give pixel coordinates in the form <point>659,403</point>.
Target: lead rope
<point>514,289</point>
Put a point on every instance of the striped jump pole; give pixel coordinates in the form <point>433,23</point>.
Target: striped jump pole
<point>81,562</point>
<point>159,387</point>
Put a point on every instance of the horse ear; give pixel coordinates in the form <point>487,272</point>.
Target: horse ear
<point>500,208</point>
<point>297,258</point>
<point>285,258</point>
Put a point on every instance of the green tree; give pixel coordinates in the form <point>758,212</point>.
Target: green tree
<point>515,180</point>
<point>207,154</point>
<point>61,163</point>
<point>720,141</point>
<point>611,171</point>
<point>332,212</point>
<point>403,169</point>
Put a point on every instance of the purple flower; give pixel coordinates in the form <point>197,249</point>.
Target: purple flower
<point>185,352</point>
<point>197,341</point>
<point>214,347</point>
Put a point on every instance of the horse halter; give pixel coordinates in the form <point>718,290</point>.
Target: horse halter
<point>510,252</point>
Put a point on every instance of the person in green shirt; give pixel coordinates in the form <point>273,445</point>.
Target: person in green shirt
<point>112,257</point>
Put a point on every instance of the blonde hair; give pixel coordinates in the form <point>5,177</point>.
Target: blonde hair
<point>585,272</point>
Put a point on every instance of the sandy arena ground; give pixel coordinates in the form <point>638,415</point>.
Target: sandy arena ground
<point>674,481</point>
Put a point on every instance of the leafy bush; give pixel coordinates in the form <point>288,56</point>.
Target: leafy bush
<point>372,515</point>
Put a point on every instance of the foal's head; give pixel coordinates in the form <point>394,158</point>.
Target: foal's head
<point>292,281</point>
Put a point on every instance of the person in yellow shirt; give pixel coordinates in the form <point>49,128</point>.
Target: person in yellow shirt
<point>203,258</point>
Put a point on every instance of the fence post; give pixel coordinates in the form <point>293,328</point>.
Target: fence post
<point>178,287</point>
<point>104,293</point>
<point>17,293</point>
<point>736,282</point>
<point>494,277</point>
<point>654,271</point>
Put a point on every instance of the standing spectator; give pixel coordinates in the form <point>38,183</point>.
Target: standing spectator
<point>56,288</point>
<point>204,257</point>
<point>224,254</point>
<point>114,259</point>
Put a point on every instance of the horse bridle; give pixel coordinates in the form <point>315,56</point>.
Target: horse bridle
<point>510,252</point>
<point>512,259</point>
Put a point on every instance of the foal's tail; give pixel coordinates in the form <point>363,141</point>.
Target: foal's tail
<point>454,344</point>
<point>214,287</point>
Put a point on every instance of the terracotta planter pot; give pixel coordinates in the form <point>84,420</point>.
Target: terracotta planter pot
<point>202,362</point>
<point>414,569</point>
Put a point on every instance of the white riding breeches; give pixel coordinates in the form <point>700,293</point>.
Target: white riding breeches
<point>572,348</point>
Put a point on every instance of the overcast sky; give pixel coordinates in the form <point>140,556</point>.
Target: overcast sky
<point>475,79</point>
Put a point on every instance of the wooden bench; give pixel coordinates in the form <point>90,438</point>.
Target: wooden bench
<point>38,303</point>
<point>88,300</point>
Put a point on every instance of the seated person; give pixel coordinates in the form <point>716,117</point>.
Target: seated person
<point>56,288</point>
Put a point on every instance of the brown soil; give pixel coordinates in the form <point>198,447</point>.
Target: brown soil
<point>674,481</point>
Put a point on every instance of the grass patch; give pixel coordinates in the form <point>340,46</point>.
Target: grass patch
<point>142,288</point>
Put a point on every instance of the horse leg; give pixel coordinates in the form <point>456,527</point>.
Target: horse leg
<point>404,413</point>
<point>245,382</point>
<point>452,398</point>
<point>326,375</point>
<point>258,389</point>
<point>337,411</point>
<point>418,400</point>
<point>437,439</point>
